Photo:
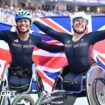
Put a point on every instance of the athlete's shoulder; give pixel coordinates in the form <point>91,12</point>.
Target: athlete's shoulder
<point>35,37</point>
<point>89,34</point>
<point>68,36</point>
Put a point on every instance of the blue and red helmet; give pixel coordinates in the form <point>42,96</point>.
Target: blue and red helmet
<point>23,15</point>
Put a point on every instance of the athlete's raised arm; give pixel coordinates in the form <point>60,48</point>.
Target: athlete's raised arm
<point>60,36</point>
<point>48,47</point>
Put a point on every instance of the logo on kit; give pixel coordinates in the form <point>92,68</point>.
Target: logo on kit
<point>16,40</point>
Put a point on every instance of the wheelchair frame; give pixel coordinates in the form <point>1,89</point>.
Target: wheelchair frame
<point>35,78</point>
<point>47,98</point>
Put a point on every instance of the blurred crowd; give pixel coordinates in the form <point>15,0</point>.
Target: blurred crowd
<point>7,12</point>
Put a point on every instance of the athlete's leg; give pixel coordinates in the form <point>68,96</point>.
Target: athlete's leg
<point>75,82</point>
<point>71,81</point>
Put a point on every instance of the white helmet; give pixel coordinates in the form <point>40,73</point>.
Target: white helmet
<point>80,15</point>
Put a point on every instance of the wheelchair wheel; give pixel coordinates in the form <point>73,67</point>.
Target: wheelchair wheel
<point>94,85</point>
<point>99,91</point>
<point>23,99</point>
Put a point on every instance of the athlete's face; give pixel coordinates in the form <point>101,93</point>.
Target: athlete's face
<point>23,25</point>
<point>79,25</point>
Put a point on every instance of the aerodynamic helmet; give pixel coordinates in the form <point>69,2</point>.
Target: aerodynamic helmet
<point>23,15</point>
<point>80,15</point>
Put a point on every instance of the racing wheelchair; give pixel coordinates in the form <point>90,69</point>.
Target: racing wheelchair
<point>92,86</point>
<point>21,95</point>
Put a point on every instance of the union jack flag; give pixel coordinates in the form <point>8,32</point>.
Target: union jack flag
<point>50,64</point>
